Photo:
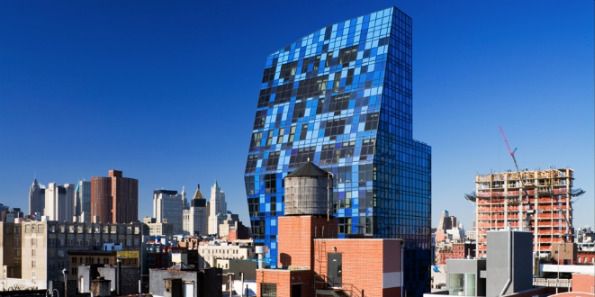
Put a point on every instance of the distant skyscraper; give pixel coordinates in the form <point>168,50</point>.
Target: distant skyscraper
<point>341,97</point>
<point>114,199</point>
<point>59,202</point>
<point>82,198</point>
<point>36,198</point>
<point>168,206</point>
<point>217,209</point>
<point>195,217</point>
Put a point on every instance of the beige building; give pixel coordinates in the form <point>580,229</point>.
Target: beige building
<point>10,250</point>
<point>44,246</point>
<point>214,251</point>
<point>155,228</point>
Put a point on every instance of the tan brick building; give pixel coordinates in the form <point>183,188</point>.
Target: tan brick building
<point>44,246</point>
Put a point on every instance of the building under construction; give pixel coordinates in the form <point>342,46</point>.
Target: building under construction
<point>538,201</point>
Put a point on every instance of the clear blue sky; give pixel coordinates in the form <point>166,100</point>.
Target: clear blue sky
<point>167,91</point>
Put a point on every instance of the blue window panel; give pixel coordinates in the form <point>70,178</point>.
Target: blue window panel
<point>375,82</point>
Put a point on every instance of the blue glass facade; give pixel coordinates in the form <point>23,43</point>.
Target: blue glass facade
<point>341,98</point>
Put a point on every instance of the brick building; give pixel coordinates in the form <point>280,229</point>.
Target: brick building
<point>114,199</point>
<point>314,263</point>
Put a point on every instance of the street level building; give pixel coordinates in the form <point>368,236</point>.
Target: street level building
<point>341,97</point>
<point>114,199</point>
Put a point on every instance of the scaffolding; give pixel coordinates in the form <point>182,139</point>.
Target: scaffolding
<point>545,205</point>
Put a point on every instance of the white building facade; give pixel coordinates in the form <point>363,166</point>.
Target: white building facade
<point>195,217</point>
<point>59,202</point>
<point>217,209</point>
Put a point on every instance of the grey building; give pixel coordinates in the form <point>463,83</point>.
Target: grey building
<point>36,198</point>
<point>169,205</point>
<point>82,198</point>
<point>180,282</point>
<point>510,262</point>
<point>466,277</point>
<point>507,270</point>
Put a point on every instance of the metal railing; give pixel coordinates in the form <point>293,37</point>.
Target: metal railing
<point>553,282</point>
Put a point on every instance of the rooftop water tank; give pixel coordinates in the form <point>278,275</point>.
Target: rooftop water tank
<point>307,190</point>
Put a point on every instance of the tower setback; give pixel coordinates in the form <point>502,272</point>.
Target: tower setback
<point>341,98</point>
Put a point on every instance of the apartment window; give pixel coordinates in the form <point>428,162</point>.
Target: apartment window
<point>33,264</point>
<point>268,290</point>
<point>40,228</point>
<point>33,252</point>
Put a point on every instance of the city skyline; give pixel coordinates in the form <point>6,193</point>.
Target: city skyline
<point>93,87</point>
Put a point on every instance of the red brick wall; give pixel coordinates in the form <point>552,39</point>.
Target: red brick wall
<point>583,283</point>
<point>584,258</point>
<point>284,279</point>
<point>364,262</point>
<point>295,238</point>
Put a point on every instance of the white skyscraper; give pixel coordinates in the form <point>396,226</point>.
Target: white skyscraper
<point>195,217</point>
<point>168,206</point>
<point>217,209</point>
<point>59,202</point>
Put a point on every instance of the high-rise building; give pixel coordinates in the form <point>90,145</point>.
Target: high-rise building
<point>217,209</point>
<point>538,201</point>
<point>59,202</point>
<point>196,216</point>
<point>114,199</point>
<point>36,198</point>
<point>82,198</point>
<point>341,97</point>
<point>169,205</point>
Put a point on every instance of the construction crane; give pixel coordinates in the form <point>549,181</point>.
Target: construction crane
<point>522,191</point>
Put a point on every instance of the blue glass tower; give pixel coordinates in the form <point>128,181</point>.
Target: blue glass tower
<point>341,98</point>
